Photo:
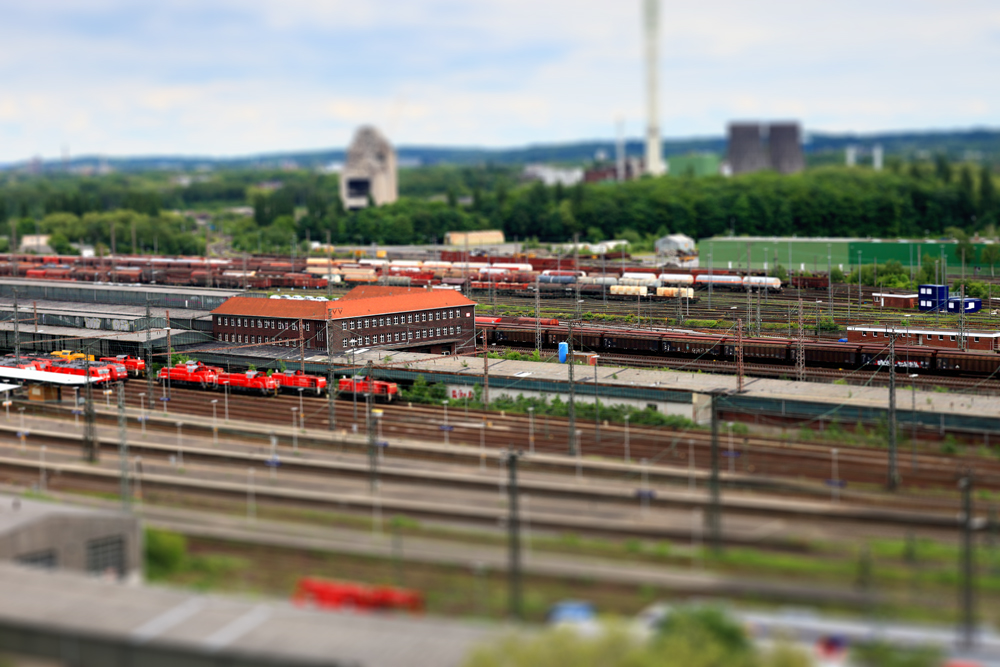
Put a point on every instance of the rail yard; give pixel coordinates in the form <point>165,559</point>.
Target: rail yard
<point>714,411</point>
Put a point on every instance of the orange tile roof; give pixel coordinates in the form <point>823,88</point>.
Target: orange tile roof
<point>415,299</point>
<point>410,300</point>
<point>288,308</point>
<point>369,291</point>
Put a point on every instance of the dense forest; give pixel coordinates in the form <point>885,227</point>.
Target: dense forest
<point>918,199</point>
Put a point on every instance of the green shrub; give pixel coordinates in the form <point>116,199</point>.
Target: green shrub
<point>165,553</point>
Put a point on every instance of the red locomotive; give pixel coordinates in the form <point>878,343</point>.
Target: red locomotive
<point>190,373</point>
<point>102,374</point>
<point>293,380</point>
<point>380,390</point>
<point>249,381</point>
<point>133,365</point>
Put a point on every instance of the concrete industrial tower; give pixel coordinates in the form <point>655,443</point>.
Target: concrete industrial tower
<point>654,147</point>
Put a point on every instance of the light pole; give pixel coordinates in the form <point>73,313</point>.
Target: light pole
<point>226,392</point>
<point>482,446</point>
<point>913,422</point>
<point>445,429</point>
<point>215,424</point>
<point>142,412</point>
<point>302,412</point>
<point>732,464</point>
<point>628,458</point>
<point>597,402</point>
<point>531,430</point>
<point>295,434</point>
<point>41,469</point>
<point>180,451</point>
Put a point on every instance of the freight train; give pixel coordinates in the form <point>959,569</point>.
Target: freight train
<point>693,345</point>
<point>550,274</point>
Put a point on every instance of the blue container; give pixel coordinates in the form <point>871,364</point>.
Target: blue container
<point>972,305</point>
<point>561,280</point>
<point>563,352</point>
<point>932,297</point>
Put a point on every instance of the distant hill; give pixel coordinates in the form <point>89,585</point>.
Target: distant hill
<point>975,144</point>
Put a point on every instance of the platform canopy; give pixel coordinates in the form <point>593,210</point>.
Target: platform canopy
<point>46,377</point>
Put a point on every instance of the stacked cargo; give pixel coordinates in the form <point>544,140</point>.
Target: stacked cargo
<point>629,290</point>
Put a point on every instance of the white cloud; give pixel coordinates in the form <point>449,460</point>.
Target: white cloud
<point>246,76</point>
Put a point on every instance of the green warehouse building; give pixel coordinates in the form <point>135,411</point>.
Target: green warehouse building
<point>811,254</point>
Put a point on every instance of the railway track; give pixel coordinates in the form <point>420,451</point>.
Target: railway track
<point>597,507</point>
<point>772,457</point>
<point>874,376</point>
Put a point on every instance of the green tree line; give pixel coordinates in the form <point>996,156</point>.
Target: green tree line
<point>916,200</point>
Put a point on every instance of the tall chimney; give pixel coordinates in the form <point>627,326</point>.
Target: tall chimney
<point>654,148</point>
<point>620,149</point>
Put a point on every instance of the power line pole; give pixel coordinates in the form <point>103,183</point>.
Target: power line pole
<point>576,267</point>
<point>714,517</point>
<point>17,332</point>
<point>330,395</point>
<point>967,592</point>
<point>513,536</point>
<point>486,373</point>
<point>90,443</point>
<point>829,280</point>
<point>123,448</point>
<point>572,396</point>
<point>739,356</point>
<point>961,319</point>
<point>149,354</point>
<point>538,324</point>
<point>893,481</point>
<point>372,452</point>
<point>800,351</point>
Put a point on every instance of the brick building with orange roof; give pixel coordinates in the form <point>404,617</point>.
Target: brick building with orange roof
<point>434,321</point>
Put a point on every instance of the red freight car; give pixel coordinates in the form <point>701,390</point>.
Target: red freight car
<point>342,594</point>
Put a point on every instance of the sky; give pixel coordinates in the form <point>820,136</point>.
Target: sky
<point>242,77</point>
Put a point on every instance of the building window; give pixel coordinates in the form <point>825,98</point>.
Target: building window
<point>975,338</point>
<point>395,319</point>
<point>343,325</point>
<point>344,342</point>
<point>397,337</point>
<point>423,317</point>
<point>381,321</point>
<point>439,332</point>
<point>940,337</point>
<point>409,335</point>
<point>953,338</point>
<point>106,554</point>
<point>409,319</point>
<point>259,325</point>
<point>458,330</point>
<point>307,326</point>
<point>437,316</point>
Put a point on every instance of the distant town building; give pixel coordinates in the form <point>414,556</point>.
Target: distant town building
<point>602,173</point>
<point>550,175</point>
<point>370,171</point>
<point>759,146</point>
<point>477,238</point>
<point>36,243</point>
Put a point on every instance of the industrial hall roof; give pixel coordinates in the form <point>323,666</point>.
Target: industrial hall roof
<point>381,301</point>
